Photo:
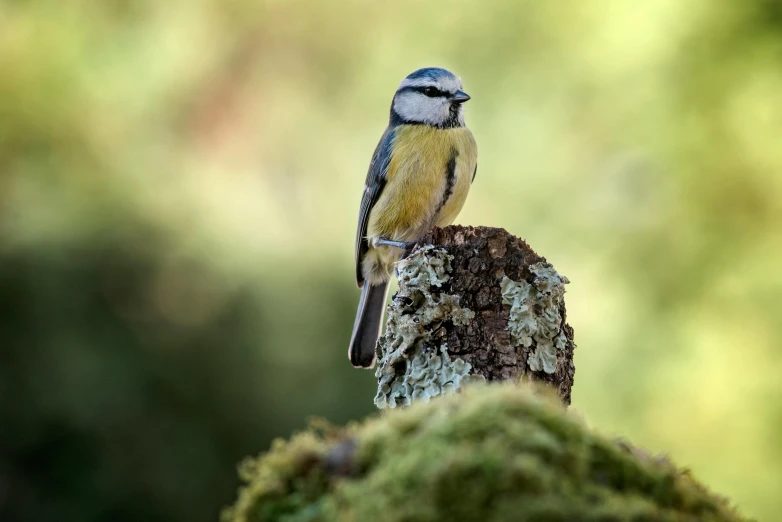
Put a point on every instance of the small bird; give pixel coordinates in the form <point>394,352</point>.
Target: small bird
<point>418,178</point>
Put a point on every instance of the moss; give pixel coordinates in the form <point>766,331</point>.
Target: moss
<point>535,316</point>
<point>413,365</point>
<point>493,453</point>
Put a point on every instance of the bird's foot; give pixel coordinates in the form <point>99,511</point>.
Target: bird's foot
<point>409,249</point>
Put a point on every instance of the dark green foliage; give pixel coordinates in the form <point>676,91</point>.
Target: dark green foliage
<point>133,378</point>
<point>494,453</point>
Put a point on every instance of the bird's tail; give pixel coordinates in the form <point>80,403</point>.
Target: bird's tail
<point>369,320</point>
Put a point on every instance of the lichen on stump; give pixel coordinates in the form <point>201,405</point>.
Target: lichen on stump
<point>494,453</point>
<point>473,304</point>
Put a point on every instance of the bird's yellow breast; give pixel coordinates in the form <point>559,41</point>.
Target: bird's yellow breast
<point>421,189</point>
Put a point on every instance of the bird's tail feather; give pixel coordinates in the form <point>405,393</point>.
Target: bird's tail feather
<point>369,320</point>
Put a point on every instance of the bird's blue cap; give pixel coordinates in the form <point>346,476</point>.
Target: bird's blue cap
<point>430,72</point>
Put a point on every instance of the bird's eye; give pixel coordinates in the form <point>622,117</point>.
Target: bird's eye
<point>431,92</point>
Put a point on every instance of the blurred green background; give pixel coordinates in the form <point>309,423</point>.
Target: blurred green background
<point>179,183</point>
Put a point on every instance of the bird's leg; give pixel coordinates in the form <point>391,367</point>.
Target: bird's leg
<point>407,246</point>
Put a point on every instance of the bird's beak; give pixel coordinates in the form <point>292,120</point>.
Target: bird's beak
<point>460,97</point>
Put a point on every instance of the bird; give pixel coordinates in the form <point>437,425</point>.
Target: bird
<point>418,178</point>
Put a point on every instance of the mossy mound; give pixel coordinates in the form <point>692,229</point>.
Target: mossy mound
<point>494,453</point>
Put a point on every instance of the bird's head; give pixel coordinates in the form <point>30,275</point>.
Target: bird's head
<point>430,96</point>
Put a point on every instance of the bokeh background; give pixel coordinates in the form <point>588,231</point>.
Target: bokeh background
<point>179,183</point>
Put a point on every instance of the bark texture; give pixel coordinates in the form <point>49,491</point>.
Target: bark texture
<point>490,308</point>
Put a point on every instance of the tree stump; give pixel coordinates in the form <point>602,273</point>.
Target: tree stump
<point>473,304</point>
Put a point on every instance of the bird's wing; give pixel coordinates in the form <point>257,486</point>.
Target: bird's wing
<point>474,172</point>
<point>376,180</point>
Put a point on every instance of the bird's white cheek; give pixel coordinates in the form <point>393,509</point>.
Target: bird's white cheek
<point>409,107</point>
<point>419,108</point>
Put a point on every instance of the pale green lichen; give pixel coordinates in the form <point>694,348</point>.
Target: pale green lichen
<point>534,315</point>
<point>522,322</point>
<point>412,367</point>
<point>426,374</point>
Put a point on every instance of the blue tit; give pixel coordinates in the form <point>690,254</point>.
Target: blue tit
<point>418,178</point>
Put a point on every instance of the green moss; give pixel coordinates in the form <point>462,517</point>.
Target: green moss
<point>535,315</point>
<point>412,365</point>
<point>493,453</point>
